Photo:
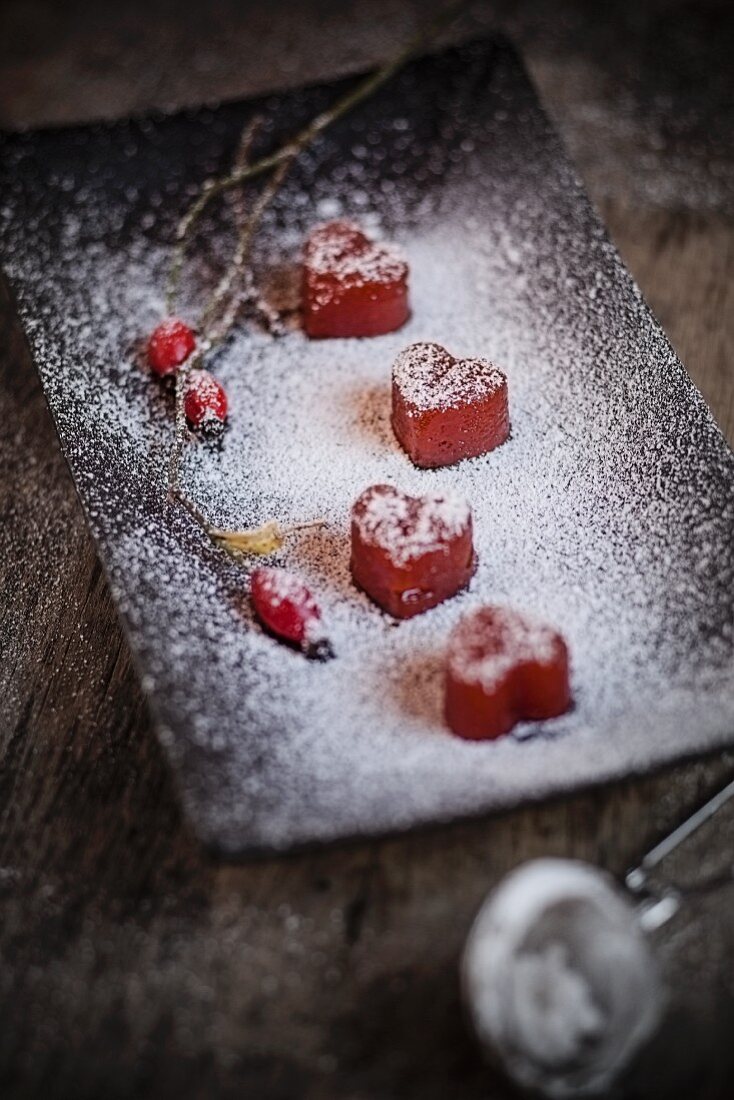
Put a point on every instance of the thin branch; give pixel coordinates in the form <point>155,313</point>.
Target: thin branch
<point>268,314</point>
<point>270,535</point>
<point>223,288</point>
<point>194,511</point>
<point>179,433</point>
<point>248,292</point>
<point>288,152</point>
<point>237,264</point>
<point>247,140</point>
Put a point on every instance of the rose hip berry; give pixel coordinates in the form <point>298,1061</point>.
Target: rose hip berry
<point>205,402</point>
<point>286,607</point>
<point>170,345</point>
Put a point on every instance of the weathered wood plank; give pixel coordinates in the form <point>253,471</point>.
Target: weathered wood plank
<point>132,964</point>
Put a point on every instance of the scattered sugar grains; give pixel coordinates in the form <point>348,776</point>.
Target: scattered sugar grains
<point>410,527</point>
<point>607,514</point>
<point>515,641</point>
<point>353,260</point>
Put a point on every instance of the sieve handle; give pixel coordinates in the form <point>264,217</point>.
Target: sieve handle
<point>657,907</point>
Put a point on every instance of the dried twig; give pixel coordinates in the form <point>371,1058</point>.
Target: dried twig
<point>237,269</point>
<point>226,299</point>
<point>292,149</point>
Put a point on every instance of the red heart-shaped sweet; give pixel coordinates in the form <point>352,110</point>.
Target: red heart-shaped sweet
<point>352,286</point>
<point>411,553</point>
<point>501,668</point>
<point>445,409</point>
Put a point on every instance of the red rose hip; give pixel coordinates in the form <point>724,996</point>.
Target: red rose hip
<point>502,668</point>
<point>287,609</point>
<point>205,401</point>
<point>446,409</point>
<point>411,553</point>
<point>352,286</point>
<point>170,345</point>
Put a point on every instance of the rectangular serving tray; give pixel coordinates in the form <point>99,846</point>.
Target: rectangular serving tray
<point>609,512</point>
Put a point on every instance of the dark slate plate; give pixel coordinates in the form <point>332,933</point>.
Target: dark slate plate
<point>609,512</point>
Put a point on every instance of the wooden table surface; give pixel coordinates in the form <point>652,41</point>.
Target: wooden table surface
<point>131,964</point>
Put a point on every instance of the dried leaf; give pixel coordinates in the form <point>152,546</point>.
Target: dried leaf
<point>260,540</point>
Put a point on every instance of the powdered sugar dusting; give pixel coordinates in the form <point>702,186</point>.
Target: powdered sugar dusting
<point>410,527</point>
<point>340,256</point>
<point>485,645</point>
<point>609,513</point>
<point>429,377</point>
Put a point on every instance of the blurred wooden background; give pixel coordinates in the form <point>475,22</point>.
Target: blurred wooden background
<point>131,965</point>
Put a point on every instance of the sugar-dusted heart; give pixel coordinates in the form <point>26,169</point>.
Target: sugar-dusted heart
<point>411,553</point>
<point>503,667</point>
<point>445,409</point>
<point>352,285</point>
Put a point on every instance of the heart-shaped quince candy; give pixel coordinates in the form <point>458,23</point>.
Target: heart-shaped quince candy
<point>352,286</point>
<point>445,409</point>
<point>411,553</point>
<point>501,668</point>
